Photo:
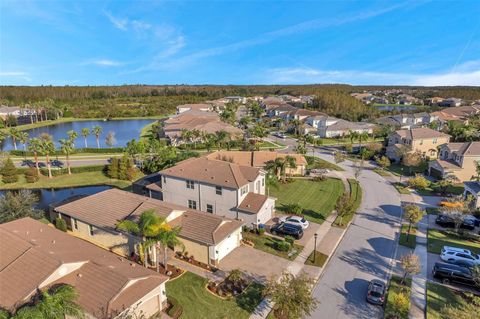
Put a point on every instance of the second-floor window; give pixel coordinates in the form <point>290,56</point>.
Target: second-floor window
<point>218,190</point>
<point>191,184</point>
<point>192,204</point>
<point>244,190</point>
<point>209,208</point>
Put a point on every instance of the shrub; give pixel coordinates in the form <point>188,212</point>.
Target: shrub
<point>9,172</point>
<point>31,175</point>
<point>418,182</point>
<point>261,231</point>
<point>282,246</point>
<point>399,305</point>
<point>77,151</point>
<point>290,240</point>
<point>61,224</point>
<point>175,310</point>
<point>79,169</point>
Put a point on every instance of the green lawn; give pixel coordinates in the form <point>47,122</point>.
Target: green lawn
<point>432,210</point>
<point>452,189</point>
<point>77,179</point>
<point>401,188</point>
<point>437,239</point>
<point>397,169</point>
<point>266,243</point>
<point>320,259</point>
<point>382,172</point>
<point>191,293</point>
<point>346,140</point>
<point>396,288</point>
<point>317,198</point>
<point>315,162</point>
<point>356,197</point>
<point>437,297</point>
<point>411,243</point>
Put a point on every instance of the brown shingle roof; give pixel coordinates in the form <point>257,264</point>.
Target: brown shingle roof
<point>252,203</point>
<point>99,279</point>
<point>195,225</point>
<point>215,172</point>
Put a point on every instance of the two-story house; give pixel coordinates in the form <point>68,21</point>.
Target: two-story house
<point>456,160</point>
<point>423,140</point>
<point>217,187</point>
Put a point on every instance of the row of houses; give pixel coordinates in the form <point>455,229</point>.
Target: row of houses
<point>457,160</point>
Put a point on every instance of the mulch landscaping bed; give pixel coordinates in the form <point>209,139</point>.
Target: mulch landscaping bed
<point>174,271</point>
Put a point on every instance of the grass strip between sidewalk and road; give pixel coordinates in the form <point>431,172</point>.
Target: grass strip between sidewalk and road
<point>402,189</point>
<point>319,261</point>
<point>394,293</point>
<point>191,293</point>
<point>412,239</point>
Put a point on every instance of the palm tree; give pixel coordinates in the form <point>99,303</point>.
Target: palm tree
<point>209,140</point>
<point>196,134</point>
<point>46,148</point>
<point>34,145</point>
<point>97,130</point>
<point>72,136</point>
<point>186,136</point>
<point>222,138</point>
<point>67,147</point>
<point>147,227</point>
<point>353,135</point>
<point>14,134</point>
<point>23,138</point>
<point>296,125</point>
<point>291,163</point>
<point>56,303</point>
<point>85,134</point>
<point>362,137</point>
<point>244,121</point>
<point>168,237</point>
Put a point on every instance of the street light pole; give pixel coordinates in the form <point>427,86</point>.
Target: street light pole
<point>315,247</point>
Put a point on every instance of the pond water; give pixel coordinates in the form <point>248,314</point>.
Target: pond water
<point>50,196</point>
<point>124,130</point>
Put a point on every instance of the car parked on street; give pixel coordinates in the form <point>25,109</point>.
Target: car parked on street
<point>295,220</point>
<point>456,254</point>
<point>446,221</point>
<point>376,292</point>
<point>280,135</point>
<point>449,273</point>
<point>287,229</point>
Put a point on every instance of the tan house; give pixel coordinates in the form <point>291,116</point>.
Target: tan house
<point>423,140</point>
<point>472,188</point>
<point>37,256</point>
<point>459,114</point>
<point>217,187</point>
<point>456,160</point>
<point>259,159</point>
<point>205,122</point>
<point>207,237</point>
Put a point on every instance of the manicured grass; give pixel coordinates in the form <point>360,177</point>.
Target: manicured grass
<point>356,198</point>
<point>452,189</point>
<point>317,198</point>
<point>320,259</point>
<point>401,188</point>
<point>315,162</point>
<point>397,169</point>
<point>191,293</point>
<point>77,179</point>
<point>147,130</point>
<point>346,140</point>
<point>439,296</point>
<point>432,210</point>
<point>397,288</point>
<point>437,239</point>
<point>382,172</point>
<point>412,239</point>
<point>266,243</point>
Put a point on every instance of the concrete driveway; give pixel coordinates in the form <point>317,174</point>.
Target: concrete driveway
<point>307,233</point>
<point>255,263</point>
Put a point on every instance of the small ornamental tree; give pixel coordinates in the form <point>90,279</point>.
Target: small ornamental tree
<point>412,160</point>
<point>339,157</point>
<point>61,224</point>
<point>418,182</point>
<point>9,172</point>
<point>113,168</point>
<point>410,264</point>
<point>31,175</point>
<point>383,162</point>
<point>413,214</point>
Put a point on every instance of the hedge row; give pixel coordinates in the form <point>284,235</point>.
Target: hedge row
<point>77,151</point>
<point>63,171</point>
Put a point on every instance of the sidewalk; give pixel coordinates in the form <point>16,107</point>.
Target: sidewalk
<point>418,295</point>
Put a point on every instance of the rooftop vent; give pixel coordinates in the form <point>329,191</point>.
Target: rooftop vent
<point>53,241</point>
<point>79,275</point>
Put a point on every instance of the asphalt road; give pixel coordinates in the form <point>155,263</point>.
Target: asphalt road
<point>366,252</point>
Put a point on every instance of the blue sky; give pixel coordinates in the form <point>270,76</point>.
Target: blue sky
<point>239,42</point>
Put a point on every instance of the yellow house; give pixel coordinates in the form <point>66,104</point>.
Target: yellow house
<point>457,160</point>
<point>423,140</point>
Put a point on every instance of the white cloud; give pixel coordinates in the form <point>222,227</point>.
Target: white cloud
<point>16,75</point>
<point>103,62</point>
<point>466,74</point>
<point>117,22</point>
<point>173,46</point>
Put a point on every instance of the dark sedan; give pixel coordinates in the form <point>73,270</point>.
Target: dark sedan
<point>287,229</point>
<point>448,222</point>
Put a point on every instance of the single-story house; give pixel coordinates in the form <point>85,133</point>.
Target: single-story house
<point>206,236</point>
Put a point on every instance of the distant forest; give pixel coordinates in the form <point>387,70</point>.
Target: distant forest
<point>149,100</point>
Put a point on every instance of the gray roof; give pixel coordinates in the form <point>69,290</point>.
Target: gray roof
<point>474,186</point>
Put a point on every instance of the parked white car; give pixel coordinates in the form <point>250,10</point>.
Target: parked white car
<point>452,254</point>
<point>295,220</point>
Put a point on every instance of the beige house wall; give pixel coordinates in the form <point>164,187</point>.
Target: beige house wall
<point>429,147</point>
<point>468,170</point>
<point>198,251</point>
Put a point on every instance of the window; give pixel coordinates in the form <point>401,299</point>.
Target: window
<point>244,190</point>
<point>75,225</point>
<point>191,184</point>
<point>209,208</point>
<point>91,229</point>
<point>192,204</point>
<point>263,181</point>
<point>218,190</point>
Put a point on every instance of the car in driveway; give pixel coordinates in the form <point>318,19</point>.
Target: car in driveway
<point>376,292</point>
<point>449,273</point>
<point>280,135</point>
<point>287,230</point>
<point>295,220</point>
<point>448,222</point>
<point>457,254</point>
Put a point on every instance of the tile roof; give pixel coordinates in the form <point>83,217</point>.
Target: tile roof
<point>31,252</point>
<point>252,203</point>
<point>346,125</point>
<point>213,171</point>
<point>195,225</point>
<point>420,133</point>
<point>253,158</point>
